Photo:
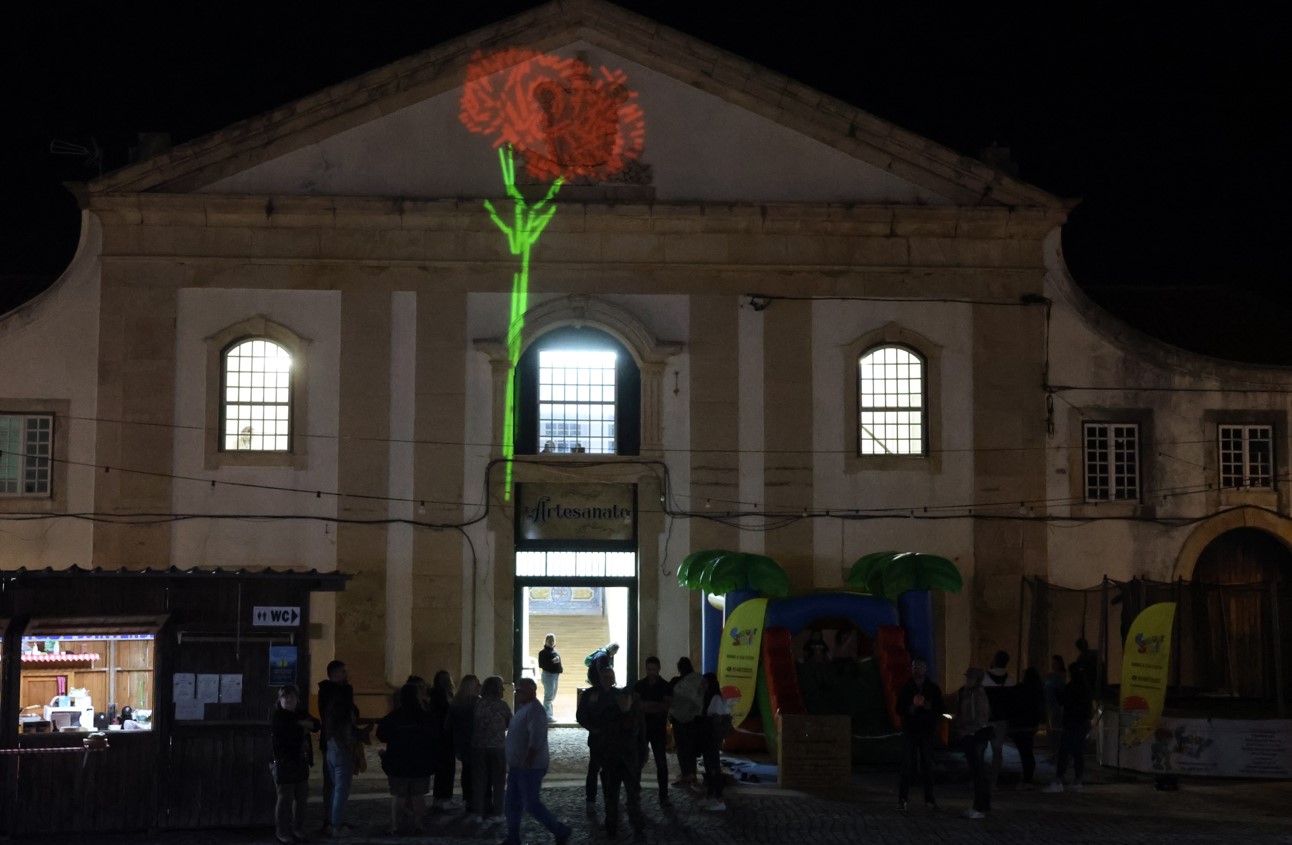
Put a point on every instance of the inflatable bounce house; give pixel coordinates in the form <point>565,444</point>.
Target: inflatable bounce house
<point>845,652</point>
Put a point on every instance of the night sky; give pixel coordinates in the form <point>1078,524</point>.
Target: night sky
<point>1173,131</point>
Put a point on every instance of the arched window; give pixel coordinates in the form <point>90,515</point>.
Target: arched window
<point>890,399</point>
<point>255,397</point>
<point>578,391</point>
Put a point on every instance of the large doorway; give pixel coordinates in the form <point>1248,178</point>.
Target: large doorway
<point>585,598</point>
<point>1247,613</point>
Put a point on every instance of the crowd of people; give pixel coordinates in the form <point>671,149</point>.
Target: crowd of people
<point>438,732</point>
<point>991,707</point>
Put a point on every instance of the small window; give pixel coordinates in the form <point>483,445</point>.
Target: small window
<point>1246,456</point>
<point>891,402</point>
<point>256,393</point>
<point>1112,462</point>
<point>26,444</point>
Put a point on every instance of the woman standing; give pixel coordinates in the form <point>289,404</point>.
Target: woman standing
<point>441,694</point>
<point>462,723</point>
<point>290,728</point>
<point>409,758</point>
<point>716,719</point>
<point>488,748</point>
<point>974,722</point>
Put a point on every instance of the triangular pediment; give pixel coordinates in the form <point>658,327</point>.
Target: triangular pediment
<point>717,129</point>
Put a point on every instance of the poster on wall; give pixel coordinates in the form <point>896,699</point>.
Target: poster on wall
<point>1209,747</point>
<point>282,665</point>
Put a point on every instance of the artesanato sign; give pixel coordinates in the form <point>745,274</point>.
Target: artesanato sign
<point>600,514</point>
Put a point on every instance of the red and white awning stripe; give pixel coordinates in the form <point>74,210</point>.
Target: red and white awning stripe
<point>64,657</point>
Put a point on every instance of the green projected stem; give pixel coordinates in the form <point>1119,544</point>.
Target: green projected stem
<point>528,222</point>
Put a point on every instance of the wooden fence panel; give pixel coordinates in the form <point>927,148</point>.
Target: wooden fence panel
<point>74,792</point>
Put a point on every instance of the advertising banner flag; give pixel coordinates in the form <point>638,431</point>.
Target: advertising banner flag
<point>1146,663</point>
<point>742,640</point>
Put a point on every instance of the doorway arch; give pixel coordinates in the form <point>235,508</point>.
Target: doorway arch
<point>1243,601</point>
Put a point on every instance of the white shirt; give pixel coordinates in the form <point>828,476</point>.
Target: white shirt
<point>528,730</point>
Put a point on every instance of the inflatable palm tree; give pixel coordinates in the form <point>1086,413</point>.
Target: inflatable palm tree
<point>718,571</point>
<point>889,574</point>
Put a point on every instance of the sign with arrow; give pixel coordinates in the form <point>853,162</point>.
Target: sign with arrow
<point>276,617</point>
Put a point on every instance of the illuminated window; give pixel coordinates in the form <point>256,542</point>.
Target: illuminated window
<point>576,564</point>
<point>576,401</point>
<point>26,442</point>
<point>68,681</point>
<point>1112,462</point>
<point>891,404</point>
<point>1246,456</point>
<point>256,392</point>
<point>579,392</point>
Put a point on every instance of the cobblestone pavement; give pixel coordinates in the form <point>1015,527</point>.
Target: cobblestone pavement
<point>1110,811</point>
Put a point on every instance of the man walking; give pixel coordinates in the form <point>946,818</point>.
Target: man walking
<point>655,696</point>
<point>549,665</point>
<point>527,762</point>
<point>620,759</point>
<point>919,703</point>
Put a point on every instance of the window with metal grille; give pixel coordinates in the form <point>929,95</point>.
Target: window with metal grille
<point>1112,462</point>
<point>26,443</point>
<point>1246,456</point>
<point>576,401</point>
<point>257,397</point>
<point>891,399</point>
<point>576,564</point>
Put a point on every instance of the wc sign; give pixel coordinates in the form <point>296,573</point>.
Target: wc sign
<point>276,617</point>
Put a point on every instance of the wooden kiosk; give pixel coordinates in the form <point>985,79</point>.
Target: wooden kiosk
<point>198,755</point>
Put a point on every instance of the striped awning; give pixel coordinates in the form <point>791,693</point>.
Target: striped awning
<point>63,657</point>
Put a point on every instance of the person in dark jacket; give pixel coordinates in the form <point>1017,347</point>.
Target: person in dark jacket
<point>602,658</point>
<point>622,726</point>
<point>340,736</point>
<point>1077,705</point>
<point>462,721</point>
<point>591,714</point>
<point>550,669</point>
<point>973,722</point>
<point>919,703</point>
<point>655,696</point>
<point>1026,714</point>
<point>441,694</point>
<point>409,758</point>
<point>290,728</point>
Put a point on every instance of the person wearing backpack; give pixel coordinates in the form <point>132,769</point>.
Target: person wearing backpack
<point>602,658</point>
<point>686,712</point>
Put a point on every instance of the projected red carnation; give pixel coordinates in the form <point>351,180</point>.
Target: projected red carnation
<point>565,122</point>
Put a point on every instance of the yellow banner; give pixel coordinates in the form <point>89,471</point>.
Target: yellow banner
<point>1146,664</point>
<point>742,640</point>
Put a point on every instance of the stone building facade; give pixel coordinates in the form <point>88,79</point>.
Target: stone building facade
<point>771,238</point>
